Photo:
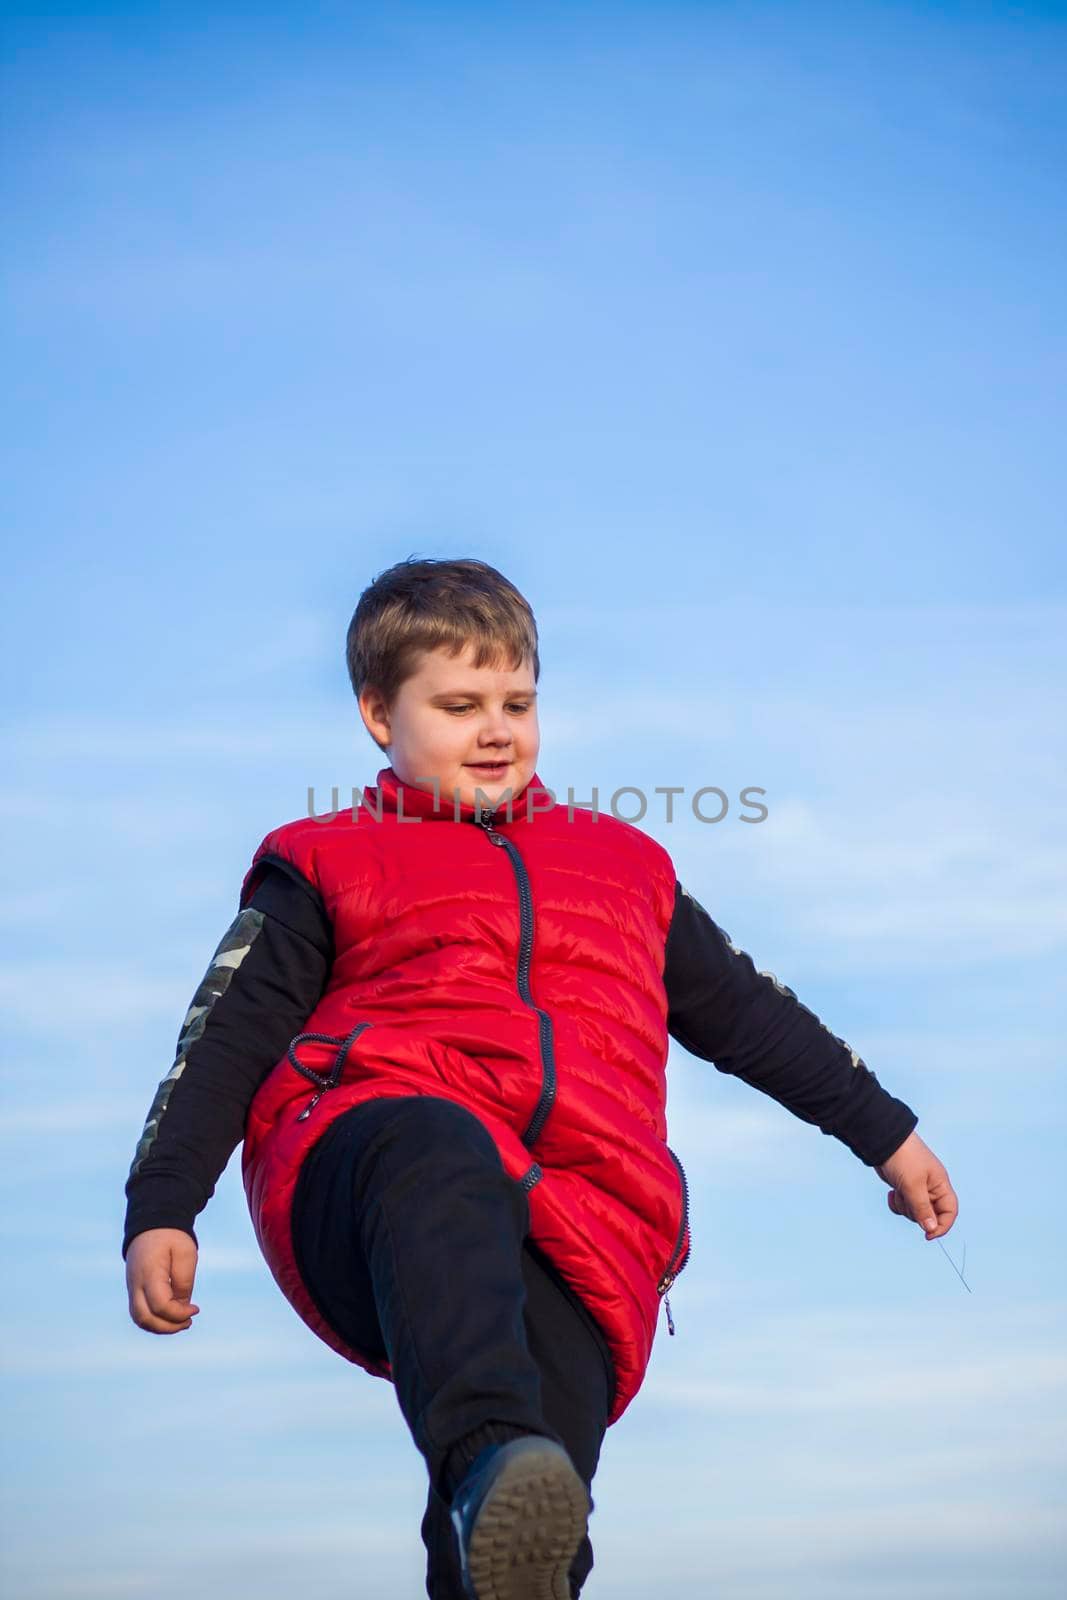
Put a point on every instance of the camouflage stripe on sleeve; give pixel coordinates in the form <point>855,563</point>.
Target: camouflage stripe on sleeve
<point>232,949</point>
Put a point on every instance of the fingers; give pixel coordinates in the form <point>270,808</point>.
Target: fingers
<point>159,1300</point>
<point>182,1273</point>
<point>913,1201</point>
<point>945,1205</point>
<point>929,1201</point>
<point>170,1316</point>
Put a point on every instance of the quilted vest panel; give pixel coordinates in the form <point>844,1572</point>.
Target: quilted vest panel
<point>514,965</point>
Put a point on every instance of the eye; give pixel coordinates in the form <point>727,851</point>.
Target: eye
<point>514,706</point>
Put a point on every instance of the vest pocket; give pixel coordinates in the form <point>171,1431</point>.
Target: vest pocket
<point>323,1081</point>
<point>677,1260</point>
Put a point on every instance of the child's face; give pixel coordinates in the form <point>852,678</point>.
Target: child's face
<point>451,717</point>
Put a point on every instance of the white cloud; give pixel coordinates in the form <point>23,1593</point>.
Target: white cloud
<point>845,1449</point>
<point>66,998</point>
<point>57,1116</point>
<point>935,1547</point>
<point>714,1135</point>
<point>868,1382</point>
<point>888,891</point>
<point>140,1581</point>
<point>102,1355</point>
<point>61,738</point>
<point>932,1052</point>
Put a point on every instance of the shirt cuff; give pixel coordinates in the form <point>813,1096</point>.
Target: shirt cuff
<point>160,1200</point>
<point>873,1123</point>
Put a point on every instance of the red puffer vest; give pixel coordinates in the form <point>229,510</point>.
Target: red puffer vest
<point>514,965</point>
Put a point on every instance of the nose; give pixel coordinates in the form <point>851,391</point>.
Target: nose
<point>496,735</point>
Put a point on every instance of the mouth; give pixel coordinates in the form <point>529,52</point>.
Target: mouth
<point>491,769</point>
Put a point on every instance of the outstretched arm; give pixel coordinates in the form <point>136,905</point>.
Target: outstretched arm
<point>752,1026</point>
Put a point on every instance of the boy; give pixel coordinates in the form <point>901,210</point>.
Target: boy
<point>439,1023</point>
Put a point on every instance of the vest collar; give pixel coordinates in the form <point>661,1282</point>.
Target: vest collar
<point>410,801</point>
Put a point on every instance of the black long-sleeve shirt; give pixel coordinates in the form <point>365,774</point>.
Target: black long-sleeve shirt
<point>271,968</point>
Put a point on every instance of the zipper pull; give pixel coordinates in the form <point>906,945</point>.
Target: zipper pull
<point>667,1308</point>
<point>486,821</point>
<point>309,1108</point>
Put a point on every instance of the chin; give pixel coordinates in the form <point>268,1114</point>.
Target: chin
<point>493,786</point>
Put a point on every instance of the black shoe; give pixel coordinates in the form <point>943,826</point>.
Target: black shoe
<point>520,1512</point>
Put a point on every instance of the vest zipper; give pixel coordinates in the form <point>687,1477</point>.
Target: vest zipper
<point>677,1261</point>
<point>548,1063</point>
<point>526,914</point>
<point>324,1081</point>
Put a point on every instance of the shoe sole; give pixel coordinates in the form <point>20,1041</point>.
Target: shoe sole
<point>528,1529</point>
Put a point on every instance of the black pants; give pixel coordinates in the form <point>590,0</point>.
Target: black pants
<point>412,1241</point>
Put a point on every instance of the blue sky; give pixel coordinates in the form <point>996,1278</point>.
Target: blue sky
<point>735,335</point>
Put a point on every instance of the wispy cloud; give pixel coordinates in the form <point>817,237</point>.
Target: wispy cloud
<point>57,739</point>
<point>65,1116</point>
<point>870,1381</point>
<point>103,1355</point>
<point>93,994</point>
<point>871,895</point>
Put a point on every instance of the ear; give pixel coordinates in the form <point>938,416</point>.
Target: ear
<point>375,714</point>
